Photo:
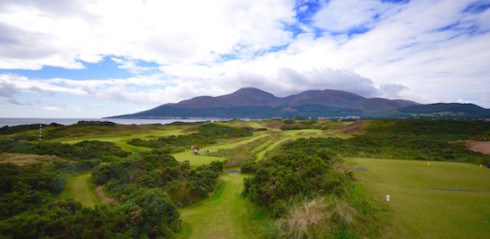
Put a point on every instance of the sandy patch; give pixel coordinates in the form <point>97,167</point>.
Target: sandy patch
<point>355,127</point>
<point>104,199</point>
<point>479,146</point>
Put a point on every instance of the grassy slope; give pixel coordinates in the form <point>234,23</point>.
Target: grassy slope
<point>285,136</point>
<point>120,138</point>
<point>223,215</point>
<point>417,211</point>
<point>79,189</point>
<point>205,159</point>
<point>196,160</point>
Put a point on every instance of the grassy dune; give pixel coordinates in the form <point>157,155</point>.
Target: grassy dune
<point>418,210</point>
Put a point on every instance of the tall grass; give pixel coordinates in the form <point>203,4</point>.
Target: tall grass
<point>320,217</point>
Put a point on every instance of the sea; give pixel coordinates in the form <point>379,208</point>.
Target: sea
<point>69,121</point>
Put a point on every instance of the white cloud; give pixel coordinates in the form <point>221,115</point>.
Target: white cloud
<point>52,108</point>
<point>343,15</point>
<point>421,50</point>
<point>161,31</point>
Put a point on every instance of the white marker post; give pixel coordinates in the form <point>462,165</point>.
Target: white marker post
<point>387,197</point>
<point>40,132</point>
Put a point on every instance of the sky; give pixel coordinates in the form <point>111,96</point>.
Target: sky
<point>98,58</point>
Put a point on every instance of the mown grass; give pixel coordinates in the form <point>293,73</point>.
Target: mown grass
<point>79,188</point>
<point>196,160</point>
<point>224,215</point>
<point>416,209</point>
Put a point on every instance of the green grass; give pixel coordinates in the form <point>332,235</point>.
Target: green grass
<point>305,133</point>
<point>80,189</point>
<point>120,138</point>
<point>225,214</point>
<point>197,160</point>
<point>285,136</point>
<point>416,210</point>
<point>261,154</point>
<point>236,143</point>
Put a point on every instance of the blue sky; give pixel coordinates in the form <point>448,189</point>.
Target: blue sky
<point>100,58</point>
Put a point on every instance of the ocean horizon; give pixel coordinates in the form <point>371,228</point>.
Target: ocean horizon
<point>70,121</point>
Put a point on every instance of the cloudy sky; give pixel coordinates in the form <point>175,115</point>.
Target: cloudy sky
<point>95,58</point>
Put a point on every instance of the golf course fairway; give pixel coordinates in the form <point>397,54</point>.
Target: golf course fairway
<point>428,199</point>
<point>223,215</point>
<point>79,190</point>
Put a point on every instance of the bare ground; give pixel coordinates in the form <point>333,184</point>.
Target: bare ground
<point>104,199</point>
<point>479,146</point>
<point>355,127</point>
<point>26,159</point>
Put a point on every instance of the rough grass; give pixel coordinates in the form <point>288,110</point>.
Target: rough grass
<point>416,210</point>
<point>26,159</point>
<point>80,189</point>
<point>224,215</point>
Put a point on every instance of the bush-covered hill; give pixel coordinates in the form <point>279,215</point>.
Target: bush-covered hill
<point>411,139</point>
<point>207,134</point>
<point>147,188</point>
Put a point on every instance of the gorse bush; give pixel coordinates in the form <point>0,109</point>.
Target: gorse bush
<point>80,151</point>
<point>293,175</point>
<point>148,213</point>
<point>27,188</point>
<point>404,139</point>
<point>158,169</point>
<point>144,185</point>
<point>310,193</point>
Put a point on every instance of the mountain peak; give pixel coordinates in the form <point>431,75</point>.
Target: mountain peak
<point>251,90</point>
<point>251,102</point>
<point>249,96</point>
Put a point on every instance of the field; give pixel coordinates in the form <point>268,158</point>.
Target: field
<point>439,200</point>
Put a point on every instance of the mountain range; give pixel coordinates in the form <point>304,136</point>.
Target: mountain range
<point>255,103</point>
